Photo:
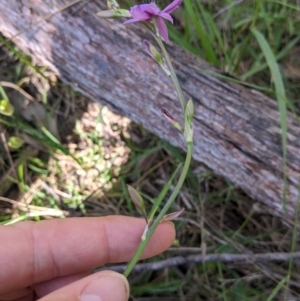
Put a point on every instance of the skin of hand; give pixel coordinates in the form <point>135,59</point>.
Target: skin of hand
<point>52,260</point>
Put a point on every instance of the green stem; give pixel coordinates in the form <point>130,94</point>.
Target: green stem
<point>163,193</point>
<point>153,225</point>
<point>156,222</point>
<point>173,73</point>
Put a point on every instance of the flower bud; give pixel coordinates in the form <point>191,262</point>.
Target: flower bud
<point>137,200</point>
<point>112,4</point>
<point>189,110</point>
<point>6,107</point>
<point>170,118</point>
<point>172,216</point>
<point>114,13</point>
<point>155,54</point>
<point>122,13</point>
<point>106,13</point>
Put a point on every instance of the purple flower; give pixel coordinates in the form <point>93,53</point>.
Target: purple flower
<point>146,12</point>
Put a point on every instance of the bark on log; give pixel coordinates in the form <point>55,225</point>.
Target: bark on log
<point>236,129</point>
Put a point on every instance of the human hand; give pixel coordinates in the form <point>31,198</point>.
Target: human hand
<point>52,259</point>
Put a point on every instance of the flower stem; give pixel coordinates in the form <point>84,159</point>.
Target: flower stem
<point>163,193</point>
<point>169,202</point>
<point>151,226</point>
<point>173,73</point>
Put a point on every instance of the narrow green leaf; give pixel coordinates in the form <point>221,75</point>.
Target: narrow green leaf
<point>3,93</point>
<point>260,67</point>
<point>163,193</point>
<point>277,289</point>
<point>280,95</point>
<point>201,32</point>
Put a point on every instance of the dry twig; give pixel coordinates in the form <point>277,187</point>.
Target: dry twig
<point>225,258</point>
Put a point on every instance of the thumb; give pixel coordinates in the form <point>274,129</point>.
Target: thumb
<point>102,286</point>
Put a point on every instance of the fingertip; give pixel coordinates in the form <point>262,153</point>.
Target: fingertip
<point>169,229</point>
<point>102,286</point>
<point>161,240</point>
<point>108,286</point>
<point>169,223</point>
<point>172,232</point>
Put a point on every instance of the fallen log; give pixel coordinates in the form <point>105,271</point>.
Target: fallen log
<point>236,129</point>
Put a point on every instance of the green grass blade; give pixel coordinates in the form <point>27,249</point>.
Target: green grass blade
<point>163,193</point>
<point>280,95</point>
<point>22,57</point>
<point>176,36</point>
<point>279,56</point>
<point>295,7</point>
<point>277,289</point>
<point>50,136</point>
<point>221,277</point>
<point>201,31</point>
<point>215,30</point>
<point>3,94</point>
<point>294,242</point>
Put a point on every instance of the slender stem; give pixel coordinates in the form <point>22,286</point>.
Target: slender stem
<point>162,212</point>
<point>173,73</point>
<point>163,193</point>
<point>150,228</point>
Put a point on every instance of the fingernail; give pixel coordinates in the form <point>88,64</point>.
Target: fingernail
<point>110,286</point>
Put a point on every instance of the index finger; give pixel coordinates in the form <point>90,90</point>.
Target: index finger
<point>36,252</point>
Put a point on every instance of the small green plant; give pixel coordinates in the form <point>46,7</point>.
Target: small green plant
<point>150,16</point>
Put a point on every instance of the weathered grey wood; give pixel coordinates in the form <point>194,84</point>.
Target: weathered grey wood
<point>237,132</point>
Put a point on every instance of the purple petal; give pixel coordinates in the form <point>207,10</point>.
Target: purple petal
<point>131,21</point>
<point>172,6</point>
<point>150,8</point>
<point>162,29</point>
<point>138,14</point>
<point>165,16</point>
